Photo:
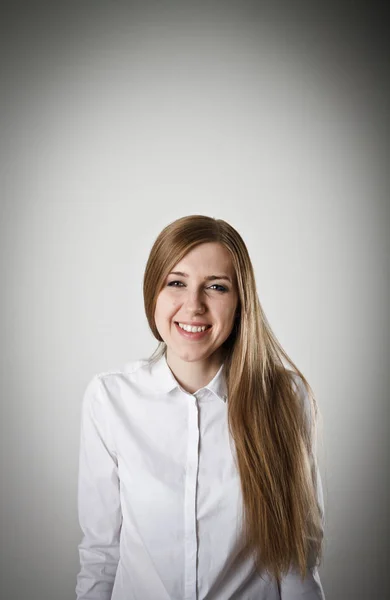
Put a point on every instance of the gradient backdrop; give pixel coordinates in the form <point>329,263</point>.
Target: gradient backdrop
<point>118,117</point>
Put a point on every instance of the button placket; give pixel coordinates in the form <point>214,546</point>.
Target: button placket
<point>190,500</point>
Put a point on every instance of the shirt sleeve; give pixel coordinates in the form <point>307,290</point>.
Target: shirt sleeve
<point>99,507</point>
<point>292,586</point>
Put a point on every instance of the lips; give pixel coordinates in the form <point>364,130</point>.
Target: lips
<point>194,323</point>
<point>198,335</point>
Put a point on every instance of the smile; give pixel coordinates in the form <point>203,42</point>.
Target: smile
<point>192,331</point>
<point>193,328</point>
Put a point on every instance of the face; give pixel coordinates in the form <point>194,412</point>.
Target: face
<point>201,292</point>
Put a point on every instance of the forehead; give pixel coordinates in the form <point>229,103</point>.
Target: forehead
<point>210,256</point>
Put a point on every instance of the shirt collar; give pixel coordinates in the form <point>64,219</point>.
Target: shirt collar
<point>164,381</point>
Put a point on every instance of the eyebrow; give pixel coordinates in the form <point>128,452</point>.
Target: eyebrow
<point>208,278</point>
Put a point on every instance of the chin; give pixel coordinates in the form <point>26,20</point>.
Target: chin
<point>191,355</point>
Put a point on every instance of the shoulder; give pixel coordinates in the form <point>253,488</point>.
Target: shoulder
<point>109,382</point>
<point>297,382</point>
<point>304,395</point>
<point>129,370</point>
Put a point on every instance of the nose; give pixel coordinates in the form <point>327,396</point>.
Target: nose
<point>194,303</point>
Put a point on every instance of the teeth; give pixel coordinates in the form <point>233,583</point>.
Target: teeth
<point>192,329</point>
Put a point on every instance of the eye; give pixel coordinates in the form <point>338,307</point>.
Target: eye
<point>221,288</point>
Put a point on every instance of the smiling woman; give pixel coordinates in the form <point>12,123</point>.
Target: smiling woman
<point>194,316</point>
<point>198,477</point>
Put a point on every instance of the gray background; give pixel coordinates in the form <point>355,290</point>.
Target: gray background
<point>117,118</point>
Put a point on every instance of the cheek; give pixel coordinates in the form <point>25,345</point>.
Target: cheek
<point>165,307</point>
<point>227,310</point>
<point>159,310</point>
<point>228,318</point>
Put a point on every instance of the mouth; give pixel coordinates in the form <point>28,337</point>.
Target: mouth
<point>194,332</point>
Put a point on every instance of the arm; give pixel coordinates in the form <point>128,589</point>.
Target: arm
<point>292,587</point>
<point>99,507</point>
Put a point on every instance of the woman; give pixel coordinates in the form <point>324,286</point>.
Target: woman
<point>198,477</point>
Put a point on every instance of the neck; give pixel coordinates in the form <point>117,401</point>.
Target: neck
<point>194,375</point>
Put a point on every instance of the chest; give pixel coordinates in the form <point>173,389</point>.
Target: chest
<point>174,453</point>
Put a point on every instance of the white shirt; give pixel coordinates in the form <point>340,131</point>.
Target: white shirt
<point>159,494</point>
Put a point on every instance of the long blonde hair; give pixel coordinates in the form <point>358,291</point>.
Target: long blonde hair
<point>268,422</point>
